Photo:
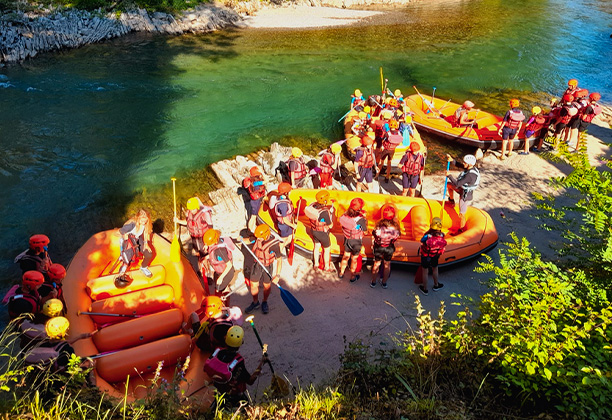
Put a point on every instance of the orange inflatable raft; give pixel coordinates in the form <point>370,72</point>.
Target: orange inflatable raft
<point>150,333</point>
<point>414,215</point>
<point>435,116</point>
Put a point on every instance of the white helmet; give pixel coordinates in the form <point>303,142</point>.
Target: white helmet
<point>470,159</point>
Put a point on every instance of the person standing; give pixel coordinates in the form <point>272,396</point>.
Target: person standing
<point>567,111</point>
<point>413,169</point>
<point>365,162</point>
<point>329,164</point>
<point>282,211</point>
<point>220,259</point>
<point>297,168</point>
<point>254,183</point>
<point>433,245</point>
<point>198,219</point>
<point>589,113</point>
<point>320,215</point>
<point>386,232</point>
<point>464,185</point>
<point>136,241</point>
<point>267,251</point>
<point>510,127</point>
<point>354,226</point>
<point>36,256</point>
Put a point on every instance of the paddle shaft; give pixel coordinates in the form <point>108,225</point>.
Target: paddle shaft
<point>382,80</point>
<point>444,195</point>
<point>473,121</point>
<point>262,345</point>
<point>424,100</point>
<point>341,118</point>
<point>447,102</point>
<point>106,314</point>
<point>174,199</point>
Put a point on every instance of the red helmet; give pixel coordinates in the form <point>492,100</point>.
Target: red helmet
<point>595,96</point>
<point>254,171</point>
<point>567,98</point>
<point>357,204</point>
<point>284,188</point>
<point>388,212</point>
<point>32,279</point>
<point>327,160</point>
<point>582,93</point>
<point>367,141</point>
<point>56,272</point>
<point>393,102</point>
<point>414,147</point>
<point>38,242</point>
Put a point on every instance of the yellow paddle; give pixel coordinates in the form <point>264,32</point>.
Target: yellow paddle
<point>382,81</point>
<point>175,247</point>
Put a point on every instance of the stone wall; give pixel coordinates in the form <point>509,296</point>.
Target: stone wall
<point>23,35</point>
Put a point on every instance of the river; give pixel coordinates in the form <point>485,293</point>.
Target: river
<point>82,131</point>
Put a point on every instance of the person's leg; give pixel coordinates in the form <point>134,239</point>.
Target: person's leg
<point>267,290</point>
<point>424,276</point>
<point>434,272</point>
<point>344,263</point>
<point>375,269</point>
<point>315,254</point>
<point>327,259</point>
<point>354,264</point>
<point>252,224</point>
<point>504,145</point>
<point>511,141</point>
<point>386,272</point>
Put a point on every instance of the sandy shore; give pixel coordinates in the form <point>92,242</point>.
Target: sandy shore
<point>305,17</point>
<point>306,348</point>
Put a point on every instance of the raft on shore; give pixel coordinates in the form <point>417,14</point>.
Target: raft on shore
<point>435,116</point>
<point>414,216</point>
<point>135,344</point>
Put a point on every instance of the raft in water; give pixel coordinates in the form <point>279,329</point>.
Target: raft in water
<point>414,216</point>
<point>434,115</point>
<point>136,345</point>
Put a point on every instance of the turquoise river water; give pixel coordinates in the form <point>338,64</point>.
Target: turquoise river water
<point>82,130</point>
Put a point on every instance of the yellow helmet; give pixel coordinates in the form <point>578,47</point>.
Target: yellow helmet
<point>394,124</point>
<point>57,327</point>
<point>212,306</point>
<point>52,308</point>
<point>536,110</point>
<point>367,109</point>
<point>436,223</point>
<point>234,336</point>
<point>296,152</point>
<point>211,237</point>
<point>357,93</point>
<point>336,148</point>
<point>322,197</point>
<point>262,231</point>
<point>397,93</point>
<point>408,119</point>
<point>193,203</point>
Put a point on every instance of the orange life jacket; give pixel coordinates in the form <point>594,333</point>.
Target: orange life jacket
<point>301,171</point>
<point>197,223</point>
<point>515,119</point>
<point>412,166</point>
<point>367,159</point>
<point>350,228</point>
<point>263,253</point>
<point>316,219</point>
<point>589,117</point>
<point>393,140</point>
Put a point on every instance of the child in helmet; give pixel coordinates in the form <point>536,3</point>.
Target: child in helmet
<point>464,185</point>
<point>228,371</point>
<point>136,240</point>
<point>432,246</point>
<point>267,250</point>
<point>365,163</point>
<point>220,260</point>
<point>198,219</point>
<point>35,258</point>
<point>297,168</point>
<point>385,234</point>
<point>329,164</point>
<point>254,184</point>
<point>320,215</point>
<point>354,225</point>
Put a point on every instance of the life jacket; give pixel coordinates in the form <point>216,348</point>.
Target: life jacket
<point>263,254</point>
<point>42,262</point>
<point>316,219</point>
<point>581,104</point>
<point>54,286</point>
<point>32,332</point>
<point>301,170</point>
<point>589,117</point>
<point>571,110</point>
<point>327,168</point>
<point>16,293</point>
<point>393,140</point>
<point>412,166</point>
<point>469,187</point>
<point>457,116</point>
<point>537,124</point>
<point>205,335</point>
<point>433,246</point>
<point>515,119</point>
<point>350,228</point>
<point>222,372</point>
<point>256,189</point>
<point>385,235</point>
<point>197,223</point>
<point>214,258</point>
<point>223,325</point>
<point>45,356</point>
<point>283,208</point>
<point>367,159</point>
<point>133,244</point>
<point>379,128</point>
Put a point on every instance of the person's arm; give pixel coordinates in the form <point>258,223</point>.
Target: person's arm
<point>257,371</point>
<point>503,124</point>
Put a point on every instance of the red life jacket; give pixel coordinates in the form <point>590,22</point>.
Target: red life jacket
<point>589,117</point>
<point>379,130</point>
<point>537,124</point>
<point>433,246</point>
<point>367,159</point>
<point>283,211</point>
<point>42,260</point>
<point>350,228</point>
<point>412,166</point>
<point>515,119</point>
<point>256,192</point>
<point>316,220</point>
<point>327,161</point>
<point>214,257</point>
<point>197,223</point>
<point>222,372</point>
<point>301,170</point>
<point>263,253</point>
<point>17,293</point>
<point>393,140</point>
<point>385,235</point>
<point>568,113</point>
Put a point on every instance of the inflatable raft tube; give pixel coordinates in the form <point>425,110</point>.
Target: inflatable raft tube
<point>139,331</point>
<point>143,359</point>
<point>104,287</point>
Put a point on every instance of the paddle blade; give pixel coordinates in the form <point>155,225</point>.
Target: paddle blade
<point>359,264</point>
<point>175,250</point>
<point>292,303</point>
<point>291,251</point>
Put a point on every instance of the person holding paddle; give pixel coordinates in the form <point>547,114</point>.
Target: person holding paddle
<point>267,250</point>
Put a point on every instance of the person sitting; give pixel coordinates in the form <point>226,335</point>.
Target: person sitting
<point>136,241</point>
<point>460,117</point>
<point>357,101</point>
<point>33,331</point>
<point>35,257</point>
<point>534,129</point>
<point>227,369</point>
<point>52,287</point>
<point>209,324</point>
<point>25,299</point>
